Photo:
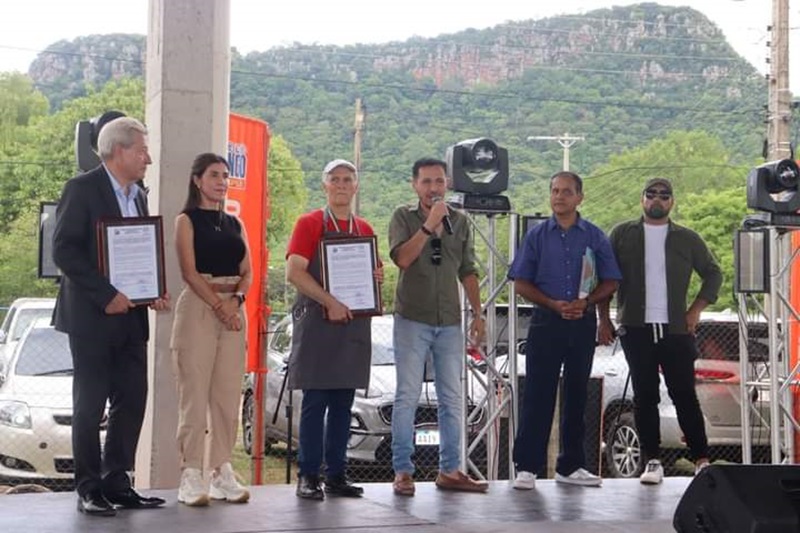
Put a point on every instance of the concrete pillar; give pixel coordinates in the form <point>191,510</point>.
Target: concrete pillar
<point>187,100</point>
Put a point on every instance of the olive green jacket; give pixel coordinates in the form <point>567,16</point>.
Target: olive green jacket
<point>685,252</point>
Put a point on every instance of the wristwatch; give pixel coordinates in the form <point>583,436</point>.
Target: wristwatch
<point>240,296</point>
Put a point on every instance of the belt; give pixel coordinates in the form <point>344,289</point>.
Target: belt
<point>224,287</point>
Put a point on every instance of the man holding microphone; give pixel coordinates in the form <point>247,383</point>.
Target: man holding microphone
<point>433,247</point>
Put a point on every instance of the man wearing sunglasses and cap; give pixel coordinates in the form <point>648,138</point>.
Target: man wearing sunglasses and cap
<point>433,248</point>
<point>657,258</point>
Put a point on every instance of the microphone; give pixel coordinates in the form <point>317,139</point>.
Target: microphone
<point>448,226</point>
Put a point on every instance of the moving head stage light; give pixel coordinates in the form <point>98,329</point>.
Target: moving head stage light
<point>775,188</point>
<point>86,132</point>
<point>478,172</point>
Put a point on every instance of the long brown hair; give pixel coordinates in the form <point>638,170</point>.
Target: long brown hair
<point>201,163</point>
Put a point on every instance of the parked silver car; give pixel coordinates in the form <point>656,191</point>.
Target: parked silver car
<point>369,450</point>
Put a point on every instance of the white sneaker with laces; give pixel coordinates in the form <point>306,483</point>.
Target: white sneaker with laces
<point>653,473</point>
<point>193,490</point>
<point>225,486</point>
<point>525,480</point>
<point>580,477</point>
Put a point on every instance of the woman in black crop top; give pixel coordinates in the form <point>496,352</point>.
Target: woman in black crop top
<point>208,334</point>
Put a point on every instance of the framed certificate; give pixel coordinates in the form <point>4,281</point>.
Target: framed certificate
<point>348,266</point>
<point>131,255</point>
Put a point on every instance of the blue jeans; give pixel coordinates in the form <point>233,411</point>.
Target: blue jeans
<point>553,342</point>
<point>333,430</point>
<point>412,343</point>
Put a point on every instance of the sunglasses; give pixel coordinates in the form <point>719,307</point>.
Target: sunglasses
<point>436,251</point>
<point>651,194</point>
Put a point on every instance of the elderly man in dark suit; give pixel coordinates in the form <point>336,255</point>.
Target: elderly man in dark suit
<point>107,333</point>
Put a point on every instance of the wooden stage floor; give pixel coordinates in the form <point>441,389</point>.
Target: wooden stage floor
<point>620,505</point>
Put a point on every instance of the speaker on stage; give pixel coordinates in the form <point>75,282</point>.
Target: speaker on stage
<point>741,498</point>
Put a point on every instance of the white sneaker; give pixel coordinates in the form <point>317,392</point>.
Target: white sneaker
<point>699,467</point>
<point>225,486</point>
<point>653,473</point>
<point>193,490</point>
<point>580,477</point>
<point>525,480</point>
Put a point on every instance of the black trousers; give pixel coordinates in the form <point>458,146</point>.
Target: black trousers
<point>552,343</point>
<point>116,373</point>
<point>675,354</point>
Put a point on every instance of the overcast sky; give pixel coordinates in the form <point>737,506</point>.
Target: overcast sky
<point>30,25</point>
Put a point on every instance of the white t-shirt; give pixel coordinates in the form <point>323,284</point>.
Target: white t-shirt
<point>655,274</point>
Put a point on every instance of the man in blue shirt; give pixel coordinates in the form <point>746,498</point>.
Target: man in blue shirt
<point>564,266</point>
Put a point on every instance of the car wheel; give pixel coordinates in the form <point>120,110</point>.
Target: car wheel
<point>247,424</point>
<point>623,453</point>
<point>248,409</point>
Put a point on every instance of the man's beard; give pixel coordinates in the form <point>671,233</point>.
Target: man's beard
<point>657,212</point>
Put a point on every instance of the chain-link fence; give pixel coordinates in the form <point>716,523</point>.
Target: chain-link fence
<point>612,439</point>
<point>36,406</point>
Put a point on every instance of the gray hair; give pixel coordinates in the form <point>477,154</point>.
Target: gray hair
<point>119,132</point>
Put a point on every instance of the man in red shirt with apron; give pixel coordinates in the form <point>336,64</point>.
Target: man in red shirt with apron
<point>331,349</point>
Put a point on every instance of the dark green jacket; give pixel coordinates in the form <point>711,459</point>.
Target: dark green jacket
<point>685,252</point>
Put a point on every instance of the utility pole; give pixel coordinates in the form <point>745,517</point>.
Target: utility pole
<point>361,115</point>
<point>566,141</point>
<point>780,101</point>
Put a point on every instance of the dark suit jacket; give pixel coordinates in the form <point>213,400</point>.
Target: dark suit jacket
<point>84,292</point>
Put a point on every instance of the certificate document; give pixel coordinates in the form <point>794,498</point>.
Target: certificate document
<point>132,256</point>
<point>348,266</point>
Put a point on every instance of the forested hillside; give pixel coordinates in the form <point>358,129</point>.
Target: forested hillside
<point>652,89</point>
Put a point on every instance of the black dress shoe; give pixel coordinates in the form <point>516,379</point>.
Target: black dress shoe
<point>130,499</point>
<point>341,486</point>
<point>308,488</point>
<point>95,504</point>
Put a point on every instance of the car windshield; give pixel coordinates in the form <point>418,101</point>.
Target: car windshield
<point>26,317</point>
<point>44,351</point>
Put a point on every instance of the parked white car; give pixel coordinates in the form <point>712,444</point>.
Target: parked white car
<point>21,314</point>
<point>36,409</point>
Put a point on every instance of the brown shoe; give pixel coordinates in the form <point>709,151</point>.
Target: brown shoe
<point>403,484</point>
<point>458,480</point>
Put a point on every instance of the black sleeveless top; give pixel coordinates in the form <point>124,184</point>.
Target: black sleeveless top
<point>218,244</point>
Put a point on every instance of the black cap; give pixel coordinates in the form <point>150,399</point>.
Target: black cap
<point>658,181</point>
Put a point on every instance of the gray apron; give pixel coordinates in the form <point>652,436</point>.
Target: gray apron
<point>326,355</point>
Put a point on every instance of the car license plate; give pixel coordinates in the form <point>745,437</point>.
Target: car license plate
<point>427,437</point>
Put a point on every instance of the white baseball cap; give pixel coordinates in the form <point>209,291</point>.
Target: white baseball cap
<point>338,163</point>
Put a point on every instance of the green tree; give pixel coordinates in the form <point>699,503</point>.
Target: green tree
<point>19,267</point>
<point>716,215</point>
<point>20,106</point>
<point>695,161</point>
<point>47,158</point>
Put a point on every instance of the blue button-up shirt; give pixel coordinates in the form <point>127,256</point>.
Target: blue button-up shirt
<point>127,202</point>
<point>552,258</point>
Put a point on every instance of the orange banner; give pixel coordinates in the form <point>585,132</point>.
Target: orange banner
<point>248,198</point>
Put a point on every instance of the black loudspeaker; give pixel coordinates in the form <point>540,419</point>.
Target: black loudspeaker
<point>741,498</point>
